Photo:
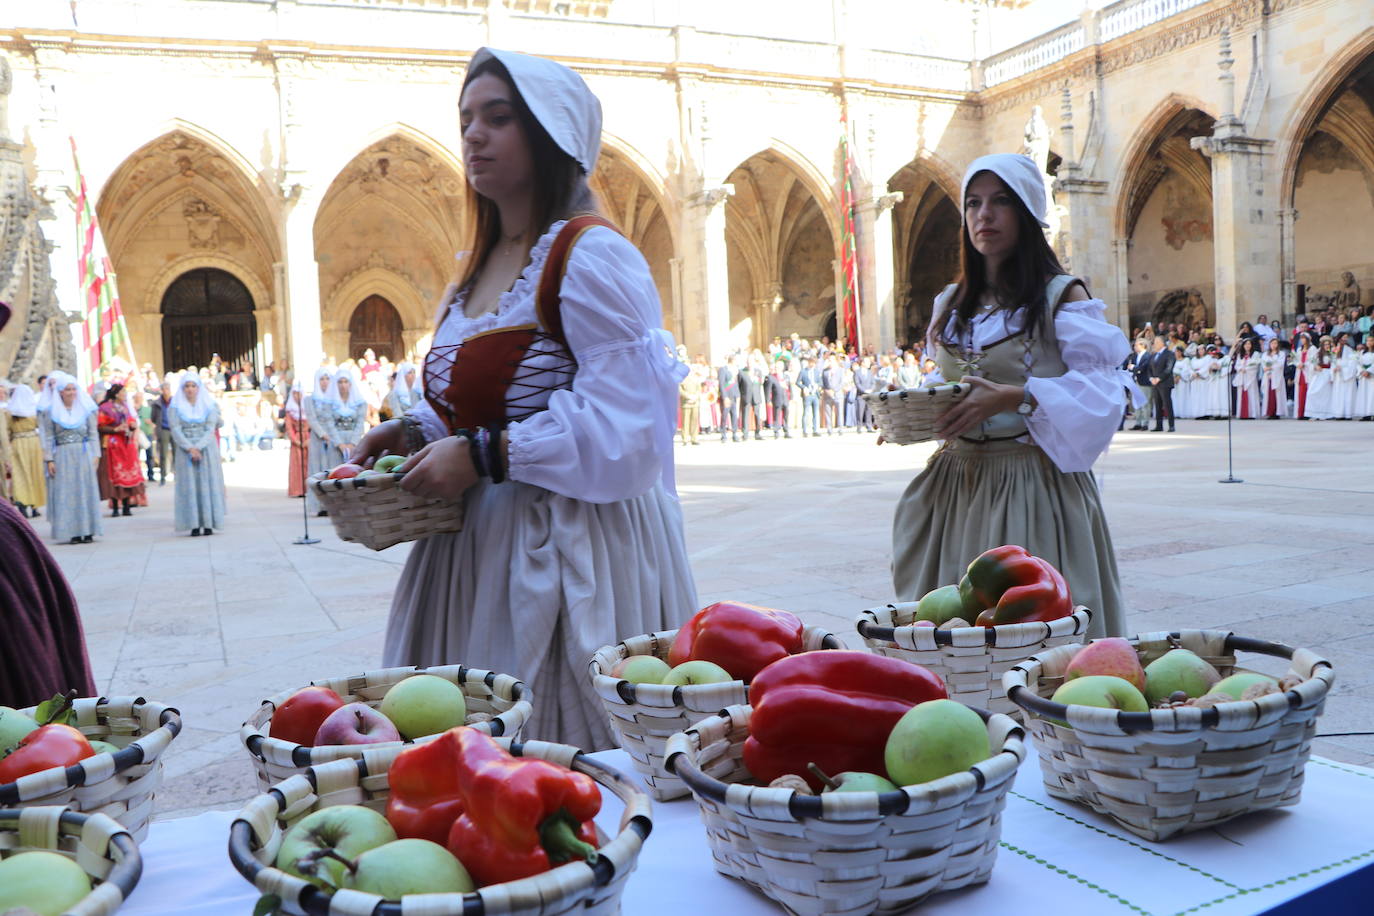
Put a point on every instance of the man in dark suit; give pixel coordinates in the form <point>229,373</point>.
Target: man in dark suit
<point>865,379</point>
<point>1162,384</point>
<point>751,401</point>
<point>778,392</point>
<point>809,381</point>
<point>832,397</point>
<point>1139,366</point>
<point>727,379</point>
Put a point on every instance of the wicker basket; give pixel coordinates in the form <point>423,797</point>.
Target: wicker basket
<point>104,850</point>
<point>645,716</point>
<point>256,835</point>
<point>849,852</point>
<point>119,785</point>
<point>501,696</point>
<point>1168,771</point>
<point>908,416</point>
<point>970,660</point>
<point>377,513</point>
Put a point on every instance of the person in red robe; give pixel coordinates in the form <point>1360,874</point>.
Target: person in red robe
<point>121,478</point>
<point>298,434</point>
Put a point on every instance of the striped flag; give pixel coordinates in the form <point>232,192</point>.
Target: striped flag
<point>849,307</point>
<point>104,333</point>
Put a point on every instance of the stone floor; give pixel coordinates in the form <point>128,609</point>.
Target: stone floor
<point>214,625</point>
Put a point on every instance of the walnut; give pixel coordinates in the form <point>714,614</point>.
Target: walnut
<point>792,781</point>
<point>476,717</point>
<point>1289,681</point>
<point>954,622</point>
<point>1208,700</point>
<point>1255,691</point>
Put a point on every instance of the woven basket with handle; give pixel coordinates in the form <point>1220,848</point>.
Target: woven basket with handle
<point>500,696</point>
<point>846,852</point>
<point>377,513</point>
<point>105,850</point>
<point>908,416</point>
<point>119,785</point>
<point>1169,771</point>
<point>970,660</point>
<point>645,716</point>
<point>256,835</point>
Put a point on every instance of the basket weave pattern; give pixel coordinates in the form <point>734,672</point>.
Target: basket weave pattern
<point>257,832</point>
<point>377,513</point>
<point>852,852</point>
<point>908,416</point>
<point>1180,774</point>
<point>120,786</point>
<point>645,716</point>
<point>105,851</point>
<point>501,696</point>
<point>970,660</point>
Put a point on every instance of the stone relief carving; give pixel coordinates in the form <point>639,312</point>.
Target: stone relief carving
<point>397,160</point>
<point>1348,296</point>
<point>1182,306</point>
<point>1036,144</point>
<point>176,155</point>
<point>202,223</point>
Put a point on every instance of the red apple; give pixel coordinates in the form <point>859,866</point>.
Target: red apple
<point>356,723</point>
<point>300,717</point>
<point>347,469</point>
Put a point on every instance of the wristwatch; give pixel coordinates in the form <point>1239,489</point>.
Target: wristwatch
<point>1027,405</point>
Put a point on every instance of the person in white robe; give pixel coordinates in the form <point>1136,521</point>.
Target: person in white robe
<point>199,505</point>
<point>1273,387</point>
<point>405,390</point>
<point>321,459</point>
<point>1305,367</point>
<point>1364,382</point>
<point>1345,368</point>
<point>1185,398</point>
<point>345,414</point>
<point>1200,364</point>
<point>1319,391</point>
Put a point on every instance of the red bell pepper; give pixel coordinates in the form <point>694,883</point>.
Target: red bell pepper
<point>741,638</point>
<point>522,816</point>
<point>834,708</point>
<point>1008,585</point>
<point>425,800</point>
<point>44,748</point>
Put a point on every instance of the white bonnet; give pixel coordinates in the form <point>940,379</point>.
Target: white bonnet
<point>1020,173</point>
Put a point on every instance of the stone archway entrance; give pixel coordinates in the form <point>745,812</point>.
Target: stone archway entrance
<point>204,312</point>
<point>376,325</point>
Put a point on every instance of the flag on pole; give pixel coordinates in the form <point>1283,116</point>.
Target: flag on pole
<point>104,333</point>
<point>849,306</point>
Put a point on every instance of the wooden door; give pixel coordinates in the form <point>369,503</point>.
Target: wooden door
<point>376,325</point>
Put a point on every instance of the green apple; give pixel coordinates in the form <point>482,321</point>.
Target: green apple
<point>1113,656</point>
<point>424,704</point>
<point>1175,670</point>
<point>350,830</point>
<point>934,739</point>
<point>697,672</point>
<point>409,866</point>
<point>941,604</point>
<point>641,669</point>
<point>14,725</point>
<point>48,883</point>
<point>388,464</point>
<point>1235,685</point>
<point>852,781</point>
<point>1103,690</point>
<point>104,747</point>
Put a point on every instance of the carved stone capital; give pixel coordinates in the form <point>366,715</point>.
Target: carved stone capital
<point>882,203</point>
<point>709,197</point>
<point>1214,146</point>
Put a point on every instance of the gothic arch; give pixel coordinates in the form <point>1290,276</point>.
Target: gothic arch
<point>926,232</point>
<point>152,301</point>
<point>1311,106</point>
<point>341,301</point>
<point>1133,172</point>
<point>329,168</point>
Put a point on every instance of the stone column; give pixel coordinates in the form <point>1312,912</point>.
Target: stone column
<point>837,267</point>
<point>417,341</point>
<point>1288,253</point>
<point>1121,282</point>
<point>301,279</point>
<point>1087,234</point>
<point>149,339</point>
<point>877,272</point>
<point>706,274</point>
<point>263,317</point>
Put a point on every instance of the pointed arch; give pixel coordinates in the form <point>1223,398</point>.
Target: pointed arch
<point>168,126</point>
<point>1136,178</point>
<point>342,155</point>
<point>1312,105</point>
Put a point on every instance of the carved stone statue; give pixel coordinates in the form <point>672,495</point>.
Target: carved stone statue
<point>1037,140</point>
<point>6,84</point>
<point>1348,296</point>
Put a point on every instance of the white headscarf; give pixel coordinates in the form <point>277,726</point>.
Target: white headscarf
<point>82,407</point>
<point>205,401</point>
<point>401,387</point>
<point>293,409</point>
<point>22,402</point>
<point>45,396</point>
<point>1020,173</point>
<point>356,396</point>
<point>559,100</point>
<point>322,377</point>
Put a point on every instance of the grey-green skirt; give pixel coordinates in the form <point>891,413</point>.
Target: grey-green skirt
<point>973,497</point>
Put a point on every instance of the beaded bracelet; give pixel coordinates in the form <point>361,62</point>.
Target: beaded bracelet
<point>414,435</point>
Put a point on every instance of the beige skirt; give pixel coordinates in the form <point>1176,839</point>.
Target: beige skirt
<point>974,497</point>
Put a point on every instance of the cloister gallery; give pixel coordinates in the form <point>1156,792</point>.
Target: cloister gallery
<point>284,179</point>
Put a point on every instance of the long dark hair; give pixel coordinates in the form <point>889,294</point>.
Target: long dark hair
<point>560,186</point>
<point>1022,278</point>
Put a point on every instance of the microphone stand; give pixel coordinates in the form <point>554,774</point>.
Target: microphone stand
<point>1230,411</point>
<point>305,499</point>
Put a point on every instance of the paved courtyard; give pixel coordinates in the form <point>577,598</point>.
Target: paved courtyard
<point>214,625</point>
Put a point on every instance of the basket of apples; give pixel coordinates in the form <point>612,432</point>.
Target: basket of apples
<point>346,717</point>
<point>464,824</point>
<point>1165,733</point>
<point>95,755</point>
<point>656,685</point>
<point>850,784</point>
<point>57,861</point>
<point>1008,606</point>
<point>367,505</point>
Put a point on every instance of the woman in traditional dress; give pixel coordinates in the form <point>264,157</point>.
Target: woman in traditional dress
<point>121,479</point>
<point>298,434</point>
<point>28,488</point>
<point>71,448</point>
<point>405,391</point>
<point>1273,391</point>
<point>1045,399</point>
<point>1319,388</point>
<point>1200,364</point>
<point>1364,382</point>
<point>1245,375</point>
<point>1345,368</point>
<point>1185,398</point>
<point>572,537</point>
<point>345,416</point>
<point>322,458</point>
<point>199,496</point>
<point>1305,364</point>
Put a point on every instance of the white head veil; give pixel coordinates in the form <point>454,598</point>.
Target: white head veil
<point>401,386</point>
<point>205,401</point>
<point>323,390</point>
<point>45,395</point>
<point>22,402</point>
<point>356,395</point>
<point>1020,173</point>
<point>81,408</point>
<point>557,97</point>
<point>293,409</point>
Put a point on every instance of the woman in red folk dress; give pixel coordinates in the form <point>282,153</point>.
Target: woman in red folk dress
<point>121,478</point>
<point>298,434</point>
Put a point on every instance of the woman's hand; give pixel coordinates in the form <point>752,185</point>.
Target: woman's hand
<point>387,438</point>
<point>195,455</point>
<point>440,470</point>
<point>52,468</point>
<point>983,400</point>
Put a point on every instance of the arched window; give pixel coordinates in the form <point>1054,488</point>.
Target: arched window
<point>204,312</point>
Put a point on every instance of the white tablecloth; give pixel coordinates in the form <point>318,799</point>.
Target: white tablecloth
<point>1055,858</point>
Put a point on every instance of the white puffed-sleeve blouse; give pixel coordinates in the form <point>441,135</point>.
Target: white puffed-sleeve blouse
<point>610,436</point>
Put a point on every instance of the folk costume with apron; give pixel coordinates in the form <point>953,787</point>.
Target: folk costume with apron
<point>582,544</point>
<point>1024,480</point>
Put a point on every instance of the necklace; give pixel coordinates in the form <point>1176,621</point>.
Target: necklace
<point>510,241</point>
